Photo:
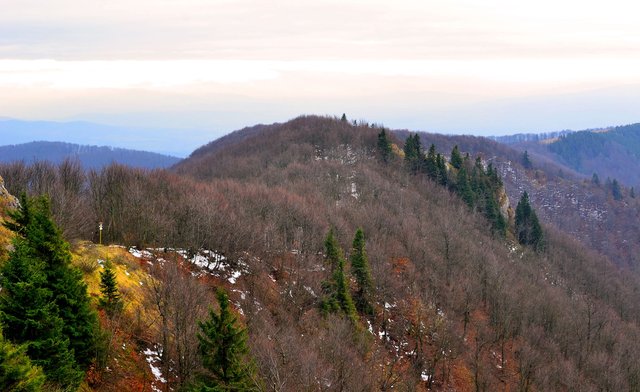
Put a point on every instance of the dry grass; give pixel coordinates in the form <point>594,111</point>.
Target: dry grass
<point>128,368</point>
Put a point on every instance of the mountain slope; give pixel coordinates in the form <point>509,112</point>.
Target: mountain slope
<point>90,157</point>
<point>610,153</point>
<point>455,307</point>
<point>427,252</point>
<point>562,196</point>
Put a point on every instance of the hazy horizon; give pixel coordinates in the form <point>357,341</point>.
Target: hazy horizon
<point>208,68</point>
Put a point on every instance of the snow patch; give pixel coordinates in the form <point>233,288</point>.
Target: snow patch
<point>310,291</point>
<point>153,358</point>
<point>141,254</point>
<point>234,276</point>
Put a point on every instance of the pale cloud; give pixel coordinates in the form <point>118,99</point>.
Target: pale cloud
<point>67,58</point>
<point>290,30</point>
<point>506,76</point>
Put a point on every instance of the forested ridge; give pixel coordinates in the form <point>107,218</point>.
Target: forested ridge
<point>595,200</point>
<point>339,258</point>
<point>90,157</point>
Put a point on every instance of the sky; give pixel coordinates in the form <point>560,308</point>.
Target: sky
<point>208,67</point>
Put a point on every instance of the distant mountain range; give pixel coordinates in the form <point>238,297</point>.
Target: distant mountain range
<point>91,157</point>
<point>528,137</point>
<point>612,152</point>
<point>160,140</point>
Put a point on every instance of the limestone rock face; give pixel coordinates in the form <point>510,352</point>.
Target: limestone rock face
<point>503,199</point>
<point>6,198</point>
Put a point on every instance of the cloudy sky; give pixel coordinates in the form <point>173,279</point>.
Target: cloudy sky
<point>212,66</point>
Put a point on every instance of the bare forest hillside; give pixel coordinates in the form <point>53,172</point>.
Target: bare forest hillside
<point>351,267</point>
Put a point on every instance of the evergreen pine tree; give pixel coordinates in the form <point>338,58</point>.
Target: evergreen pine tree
<point>413,153</point>
<point>30,316</point>
<point>526,161</point>
<point>456,158</point>
<point>111,300</point>
<point>384,147</point>
<point>361,271</point>
<point>494,178</point>
<point>333,254</point>
<point>528,229</point>
<point>595,179</point>
<point>224,351</point>
<point>336,289</point>
<point>443,178</point>
<point>44,243</point>
<point>493,214</point>
<point>464,188</point>
<point>616,192</point>
<point>344,117</point>
<point>431,163</point>
<point>17,373</point>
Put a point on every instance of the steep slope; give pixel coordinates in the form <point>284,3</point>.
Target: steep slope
<point>563,197</point>
<point>600,213</point>
<point>90,157</point>
<point>455,307</point>
<point>610,153</point>
<point>498,314</point>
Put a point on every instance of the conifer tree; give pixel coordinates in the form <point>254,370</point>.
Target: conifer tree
<point>456,158</point>
<point>111,300</point>
<point>17,372</point>
<point>443,178</point>
<point>333,254</point>
<point>616,192</point>
<point>526,161</point>
<point>384,147</point>
<point>30,316</point>
<point>413,153</point>
<point>336,289</point>
<point>464,188</point>
<point>361,271</point>
<point>224,351</point>
<point>42,245</point>
<point>528,229</point>
<point>595,179</point>
<point>493,214</point>
<point>431,163</point>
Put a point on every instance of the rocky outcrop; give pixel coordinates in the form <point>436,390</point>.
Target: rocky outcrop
<point>7,200</point>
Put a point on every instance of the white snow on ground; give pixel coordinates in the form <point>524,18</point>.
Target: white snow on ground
<point>140,253</point>
<point>208,262</point>
<point>153,357</point>
<point>354,191</point>
<point>234,276</point>
<point>310,291</point>
<point>425,376</point>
